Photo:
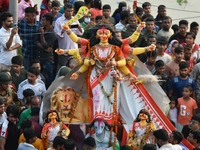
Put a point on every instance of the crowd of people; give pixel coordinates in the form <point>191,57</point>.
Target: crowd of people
<point>29,64</point>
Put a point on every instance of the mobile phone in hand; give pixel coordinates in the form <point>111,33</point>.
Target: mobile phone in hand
<point>74,26</point>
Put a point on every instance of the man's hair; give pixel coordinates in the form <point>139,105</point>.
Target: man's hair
<point>125,147</point>
<point>146,16</point>
<point>175,27</point>
<point>35,61</point>
<point>196,135</point>
<point>196,117</point>
<point>194,24</point>
<point>177,136</point>
<point>78,5</point>
<point>97,4</point>
<point>69,144</point>
<point>150,19</point>
<point>187,47</point>
<point>90,141</point>
<point>124,14</point>
<point>5,15</point>
<point>183,65</point>
<point>34,71</point>
<point>29,10</point>
<point>106,6</point>
<point>161,7</point>
<point>161,134</point>
<point>167,17</point>
<point>55,3</point>
<point>58,141</point>
<point>29,134</point>
<point>159,63</point>
<point>1,101</point>
<point>26,124</point>
<point>183,22</point>
<point>145,4</point>
<point>179,49</point>
<point>151,54</point>
<point>151,36</point>
<point>49,17</point>
<point>68,6</point>
<point>35,111</point>
<point>17,60</point>
<point>13,109</point>
<point>32,98</point>
<point>28,92</point>
<point>149,147</point>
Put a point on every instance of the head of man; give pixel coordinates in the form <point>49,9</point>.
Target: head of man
<point>68,11</point>
<point>7,20</point>
<point>55,7</point>
<point>17,63</point>
<point>89,144</point>
<point>146,6</point>
<point>150,24</point>
<point>194,137</point>
<point>36,63</point>
<point>161,137</point>
<point>175,137</point>
<point>5,81</point>
<point>166,23</point>
<point>183,27</point>
<point>30,135</point>
<point>183,69</point>
<point>194,27</point>
<point>30,14</point>
<point>12,112</point>
<point>35,101</point>
<point>47,20</point>
<point>162,11</point>
<point>195,122</point>
<point>32,75</point>
<point>106,10</point>
<point>132,21</point>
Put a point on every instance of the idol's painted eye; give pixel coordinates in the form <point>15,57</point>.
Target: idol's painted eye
<point>99,33</point>
<point>61,99</point>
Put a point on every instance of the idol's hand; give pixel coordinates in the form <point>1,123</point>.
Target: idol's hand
<point>74,76</point>
<point>113,63</point>
<point>60,51</point>
<point>92,62</point>
<point>141,26</point>
<point>152,47</point>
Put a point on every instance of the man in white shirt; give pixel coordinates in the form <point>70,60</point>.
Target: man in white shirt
<point>166,30</point>
<point>9,41</point>
<point>123,22</point>
<point>162,138</point>
<point>33,83</point>
<point>64,41</point>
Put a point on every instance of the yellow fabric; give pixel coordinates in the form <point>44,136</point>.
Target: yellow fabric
<point>38,144</point>
<point>134,36</point>
<point>73,37</point>
<point>124,69</point>
<point>138,50</point>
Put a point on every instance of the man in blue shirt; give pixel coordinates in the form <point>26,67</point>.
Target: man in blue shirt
<point>27,31</point>
<point>177,83</point>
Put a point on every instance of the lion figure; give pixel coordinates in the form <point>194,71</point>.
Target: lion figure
<point>69,105</point>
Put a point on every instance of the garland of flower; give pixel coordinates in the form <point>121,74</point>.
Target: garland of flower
<point>75,104</point>
<point>103,59</point>
<point>88,80</point>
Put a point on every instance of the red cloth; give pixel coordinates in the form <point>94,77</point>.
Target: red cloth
<point>4,5</point>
